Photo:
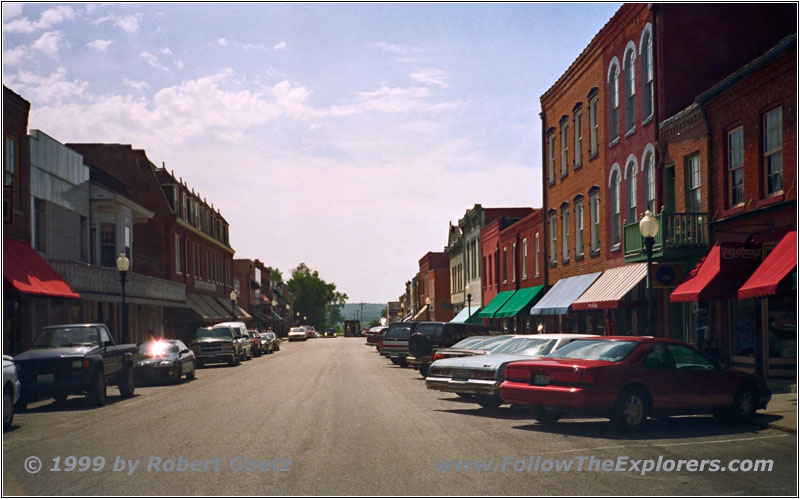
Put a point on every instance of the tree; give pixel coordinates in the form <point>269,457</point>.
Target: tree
<point>313,297</point>
<point>275,275</point>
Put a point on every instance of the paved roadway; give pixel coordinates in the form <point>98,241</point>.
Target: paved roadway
<point>352,423</point>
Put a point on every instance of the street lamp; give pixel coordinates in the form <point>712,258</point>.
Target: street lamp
<point>233,297</point>
<point>428,302</point>
<point>648,226</point>
<point>123,264</point>
<point>468,290</point>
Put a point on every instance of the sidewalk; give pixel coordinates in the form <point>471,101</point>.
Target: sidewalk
<point>781,412</point>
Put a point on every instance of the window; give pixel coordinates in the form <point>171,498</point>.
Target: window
<point>773,150</point>
<point>693,184</point>
<point>578,132</point>
<point>630,90</point>
<point>564,147</point>
<point>127,242</point>
<point>647,75</point>
<point>514,262</point>
<point>524,258</point>
<point>593,124</point>
<point>553,254</point>
<point>650,182</point>
<point>536,254</point>
<point>177,254</point>
<point>38,225</point>
<point>551,157</point>
<point>630,188</point>
<point>614,206</point>
<point>564,233</point>
<point>108,245</point>
<point>613,95</point>
<point>579,227</point>
<point>505,265</point>
<point>735,167</point>
<point>10,178</point>
<point>594,215</point>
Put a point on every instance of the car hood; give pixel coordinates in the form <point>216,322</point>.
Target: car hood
<point>54,353</point>
<point>479,361</point>
<point>210,340</point>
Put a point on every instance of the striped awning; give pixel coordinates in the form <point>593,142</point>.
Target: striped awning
<point>611,287</point>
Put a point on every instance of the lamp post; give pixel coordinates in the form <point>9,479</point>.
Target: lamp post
<point>233,297</point>
<point>648,226</point>
<point>123,264</point>
<point>428,302</point>
<point>468,290</point>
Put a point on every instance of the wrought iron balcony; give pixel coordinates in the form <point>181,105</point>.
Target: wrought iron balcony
<point>679,234</point>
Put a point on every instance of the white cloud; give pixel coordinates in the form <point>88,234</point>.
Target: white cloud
<point>430,77</point>
<point>166,51</point>
<point>53,89</point>
<point>222,41</point>
<point>14,56</point>
<point>152,60</point>
<point>48,19</point>
<point>99,45</point>
<point>12,10</point>
<point>397,48</point>
<point>136,85</point>
<point>49,43</point>
<point>129,23</point>
<point>279,46</point>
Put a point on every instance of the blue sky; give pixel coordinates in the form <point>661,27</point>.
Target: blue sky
<point>345,136</point>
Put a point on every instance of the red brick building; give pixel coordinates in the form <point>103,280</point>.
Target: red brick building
<point>434,284</point>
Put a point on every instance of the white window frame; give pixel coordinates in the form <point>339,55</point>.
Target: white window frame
<point>565,234</point>
<point>553,239</point>
<point>536,254</point>
<point>578,133</point>
<point>593,126</point>
<point>736,166</point>
<point>514,262</point>
<point>630,87</point>
<point>646,51</point>
<point>694,198</point>
<point>551,157</point>
<point>631,191</point>
<point>614,206</point>
<point>524,258</point>
<point>579,228</point>
<point>773,151</point>
<point>613,100</point>
<point>649,169</point>
<point>594,214</point>
<point>564,148</point>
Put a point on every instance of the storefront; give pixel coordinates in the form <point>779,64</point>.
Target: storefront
<point>488,312</point>
<point>516,311</point>
<point>556,305</point>
<point>617,299</point>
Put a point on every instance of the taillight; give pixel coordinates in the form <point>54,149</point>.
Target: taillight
<point>517,374</point>
<point>482,374</point>
<point>573,378</point>
<point>438,356</point>
<point>440,372</point>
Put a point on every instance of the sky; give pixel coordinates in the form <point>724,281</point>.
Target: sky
<point>344,136</point>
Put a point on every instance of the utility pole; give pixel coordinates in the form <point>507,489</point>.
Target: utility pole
<point>361,315</point>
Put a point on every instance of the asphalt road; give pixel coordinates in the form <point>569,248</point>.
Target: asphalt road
<point>341,420</point>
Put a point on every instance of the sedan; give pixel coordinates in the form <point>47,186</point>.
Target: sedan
<point>298,334</point>
<point>481,375</point>
<point>276,342</point>
<point>267,346</point>
<point>629,378</point>
<point>11,388</point>
<point>255,343</point>
<point>474,345</point>
<point>161,360</point>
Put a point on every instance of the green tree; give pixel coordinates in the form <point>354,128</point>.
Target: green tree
<point>313,297</point>
<point>275,275</point>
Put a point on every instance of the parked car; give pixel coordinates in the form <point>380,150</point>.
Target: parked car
<point>298,334</point>
<point>276,342</point>
<point>330,333</point>
<point>474,345</point>
<point>267,346</point>
<point>11,388</point>
<point>255,343</point>
<point>240,333</point>
<point>216,344</point>
<point>395,342</point>
<point>481,375</point>
<point>431,336</point>
<point>374,335</point>
<point>311,332</point>
<point>75,359</point>
<point>164,360</point>
<point>627,379</point>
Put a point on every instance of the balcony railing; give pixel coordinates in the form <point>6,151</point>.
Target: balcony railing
<point>675,231</point>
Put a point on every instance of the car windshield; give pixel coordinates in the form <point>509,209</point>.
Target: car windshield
<point>217,332</point>
<point>158,349</point>
<point>67,337</point>
<point>609,350</point>
<point>522,345</point>
<point>401,331</point>
<point>481,342</point>
<point>297,330</point>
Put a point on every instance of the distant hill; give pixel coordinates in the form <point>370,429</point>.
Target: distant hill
<point>371,311</point>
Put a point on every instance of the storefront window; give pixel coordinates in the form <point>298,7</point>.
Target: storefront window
<point>782,313</point>
<point>743,323</point>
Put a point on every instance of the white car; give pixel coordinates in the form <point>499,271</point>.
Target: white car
<point>298,334</point>
<point>11,389</point>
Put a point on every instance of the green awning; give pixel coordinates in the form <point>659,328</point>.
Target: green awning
<point>522,300</point>
<point>496,304</point>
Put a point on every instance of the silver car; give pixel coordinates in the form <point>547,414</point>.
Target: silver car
<point>11,389</point>
<point>481,375</point>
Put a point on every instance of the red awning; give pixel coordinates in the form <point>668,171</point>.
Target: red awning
<point>773,269</point>
<point>24,269</point>
<point>264,297</point>
<point>726,266</point>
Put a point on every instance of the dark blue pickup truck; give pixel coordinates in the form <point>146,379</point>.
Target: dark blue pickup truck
<point>75,359</point>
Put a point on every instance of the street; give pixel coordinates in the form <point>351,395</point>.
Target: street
<point>335,418</point>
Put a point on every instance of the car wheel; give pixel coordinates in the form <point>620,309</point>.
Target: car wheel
<point>395,361</point>
<point>191,374</point>
<point>402,362</point>
<point>97,392</point>
<point>545,416</point>
<point>489,401</point>
<point>743,409</point>
<point>22,404</point>
<point>630,410</point>
<point>423,371</point>
<point>60,398</point>
<point>127,383</point>
<point>178,374</point>
<point>8,409</point>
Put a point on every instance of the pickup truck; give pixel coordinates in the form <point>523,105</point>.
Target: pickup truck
<point>75,359</point>
<point>395,342</point>
<point>217,344</point>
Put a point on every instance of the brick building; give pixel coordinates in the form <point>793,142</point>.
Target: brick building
<point>434,288</point>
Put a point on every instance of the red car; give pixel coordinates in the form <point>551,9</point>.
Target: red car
<point>629,378</point>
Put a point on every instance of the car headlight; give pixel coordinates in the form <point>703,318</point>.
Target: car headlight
<point>76,363</point>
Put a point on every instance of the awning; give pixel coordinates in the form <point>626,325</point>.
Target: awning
<point>773,269</point>
<point>611,287</point>
<point>24,269</point>
<point>199,306</point>
<point>421,312</point>
<point>464,316</point>
<point>277,317</point>
<point>722,271</point>
<point>407,317</point>
<point>558,300</point>
<point>522,300</point>
<point>496,304</point>
<point>240,313</point>
<point>264,297</point>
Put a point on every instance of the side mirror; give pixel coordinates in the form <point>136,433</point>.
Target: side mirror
<point>185,350</point>
<point>108,343</point>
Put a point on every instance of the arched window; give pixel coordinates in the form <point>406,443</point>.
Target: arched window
<point>630,86</point>
<point>649,169</point>
<point>630,190</point>
<point>613,185</point>
<point>613,99</point>
<point>646,52</point>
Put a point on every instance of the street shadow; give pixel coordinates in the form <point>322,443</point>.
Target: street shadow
<point>144,383</point>
<point>654,428</point>
<point>222,365</point>
<point>73,403</point>
<point>14,427</point>
<point>505,413</point>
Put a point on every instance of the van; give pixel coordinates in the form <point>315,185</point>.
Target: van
<point>240,333</point>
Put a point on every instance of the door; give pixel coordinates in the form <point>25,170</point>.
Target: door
<point>703,383</point>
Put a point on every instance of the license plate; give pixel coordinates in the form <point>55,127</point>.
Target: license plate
<point>461,375</point>
<point>541,379</point>
<point>44,378</point>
